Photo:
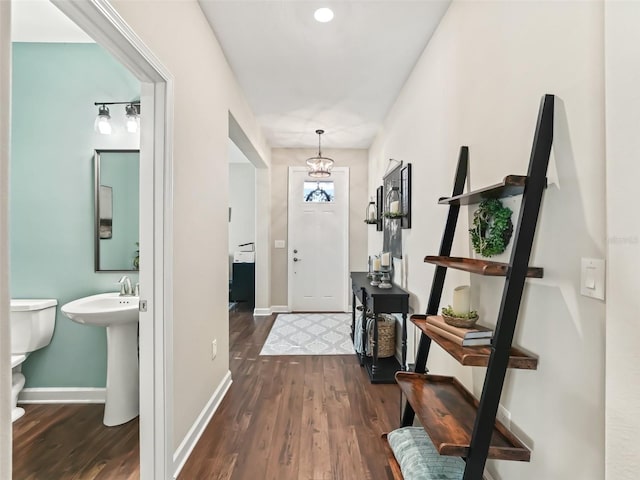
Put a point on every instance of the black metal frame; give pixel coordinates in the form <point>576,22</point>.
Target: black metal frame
<point>440,273</point>
<point>379,207</point>
<point>512,293</point>
<point>405,191</point>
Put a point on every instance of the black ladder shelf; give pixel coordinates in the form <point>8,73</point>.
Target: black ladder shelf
<point>457,423</point>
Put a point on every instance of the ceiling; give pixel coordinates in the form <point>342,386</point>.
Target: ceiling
<point>298,74</point>
<point>343,76</point>
<point>41,21</point>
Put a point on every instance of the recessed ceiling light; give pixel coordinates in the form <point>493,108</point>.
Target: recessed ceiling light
<point>323,15</point>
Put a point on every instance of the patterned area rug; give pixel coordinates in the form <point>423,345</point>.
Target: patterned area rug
<point>310,334</point>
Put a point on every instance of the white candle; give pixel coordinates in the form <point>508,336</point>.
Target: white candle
<point>372,215</point>
<point>376,264</point>
<point>386,259</point>
<point>394,207</point>
<point>461,302</point>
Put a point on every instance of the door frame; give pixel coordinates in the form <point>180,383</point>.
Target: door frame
<point>106,26</point>
<point>345,243</point>
<point>5,344</point>
<point>262,221</point>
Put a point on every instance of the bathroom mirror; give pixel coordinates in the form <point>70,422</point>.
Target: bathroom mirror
<point>117,212</point>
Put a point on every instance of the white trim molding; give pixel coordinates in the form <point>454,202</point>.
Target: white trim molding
<point>261,312</point>
<point>5,344</point>
<point>195,432</point>
<point>103,22</point>
<point>280,309</point>
<point>62,395</point>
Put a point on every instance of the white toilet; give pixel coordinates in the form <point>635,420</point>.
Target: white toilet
<point>32,323</point>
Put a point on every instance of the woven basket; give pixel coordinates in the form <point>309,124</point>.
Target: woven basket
<point>460,322</point>
<point>386,336</point>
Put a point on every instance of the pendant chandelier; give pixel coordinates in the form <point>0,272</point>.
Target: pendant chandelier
<point>320,167</point>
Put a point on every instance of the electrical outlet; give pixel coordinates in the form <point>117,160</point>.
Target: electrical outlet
<point>214,349</point>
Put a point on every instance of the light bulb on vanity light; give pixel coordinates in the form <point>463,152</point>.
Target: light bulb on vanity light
<point>132,118</point>
<point>103,121</point>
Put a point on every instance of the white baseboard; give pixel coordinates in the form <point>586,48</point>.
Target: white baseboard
<point>62,395</point>
<point>195,432</point>
<point>261,312</point>
<point>280,309</point>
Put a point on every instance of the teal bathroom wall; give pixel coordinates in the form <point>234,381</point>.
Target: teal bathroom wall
<point>52,200</point>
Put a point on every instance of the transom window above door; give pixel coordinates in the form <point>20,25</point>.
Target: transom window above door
<point>318,192</point>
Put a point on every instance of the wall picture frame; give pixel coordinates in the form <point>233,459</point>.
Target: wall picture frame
<point>392,227</point>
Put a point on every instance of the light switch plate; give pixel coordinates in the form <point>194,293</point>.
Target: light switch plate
<point>279,244</point>
<point>592,273</point>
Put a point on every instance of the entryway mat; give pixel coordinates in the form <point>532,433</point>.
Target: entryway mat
<point>310,334</point>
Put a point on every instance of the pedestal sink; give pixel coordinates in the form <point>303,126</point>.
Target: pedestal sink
<point>119,314</point>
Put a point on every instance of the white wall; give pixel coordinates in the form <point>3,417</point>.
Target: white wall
<point>5,344</point>
<point>479,83</point>
<point>205,93</point>
<point>282,159</point>
<point>622,79</point>
<point>242,200</point>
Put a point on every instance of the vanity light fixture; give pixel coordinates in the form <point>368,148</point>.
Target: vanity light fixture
<point>319,166</point>
<point>132,117</point>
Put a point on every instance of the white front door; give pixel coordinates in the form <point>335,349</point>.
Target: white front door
<point>318,242</point>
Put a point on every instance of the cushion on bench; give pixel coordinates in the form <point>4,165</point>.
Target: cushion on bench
<point>419,459</point>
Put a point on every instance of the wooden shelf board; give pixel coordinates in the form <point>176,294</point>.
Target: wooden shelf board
<point>480,267</point>
<point>447,411</point>
<point>511,185</point>
<point>474,356</point>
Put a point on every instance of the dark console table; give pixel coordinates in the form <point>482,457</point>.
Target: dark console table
<point>379,300</point>
<point>242,288</point>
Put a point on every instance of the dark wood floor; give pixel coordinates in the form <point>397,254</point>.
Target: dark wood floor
<point>294,417</point>
<point>69,442</point>
<point>285,417</point>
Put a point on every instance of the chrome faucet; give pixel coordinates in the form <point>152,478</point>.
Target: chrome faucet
<point>125,286</point>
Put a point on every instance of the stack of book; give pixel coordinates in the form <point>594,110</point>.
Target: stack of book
<point>467,337</point>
